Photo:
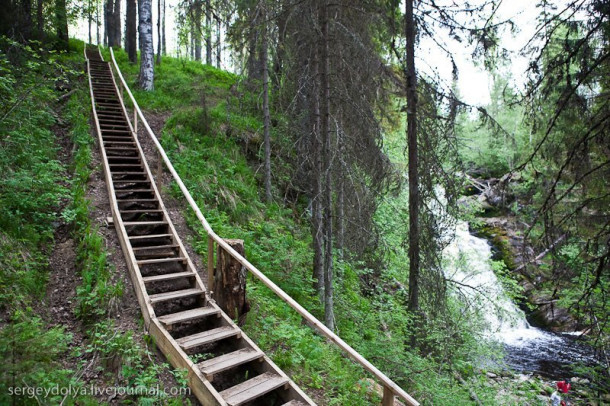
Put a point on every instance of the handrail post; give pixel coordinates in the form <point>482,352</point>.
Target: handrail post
<point>388,397</point>
<point>135,121</point>
<point>210,261</point>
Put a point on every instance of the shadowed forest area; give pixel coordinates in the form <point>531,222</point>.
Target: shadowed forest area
<point>455,232</point>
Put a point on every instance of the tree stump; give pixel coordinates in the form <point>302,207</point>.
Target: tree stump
<point>230,282</point>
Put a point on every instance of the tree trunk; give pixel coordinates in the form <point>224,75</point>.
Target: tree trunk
<point>163,46</point>
<point>89,18</point>
<point>158,32</point>
<point>208,32</point>
<point>117,23</point>
<point>97,22</point>
<point>198,31</point>
<point>147,68</point>
<point>329,316</point>
<point>266,119</point>
<point>40,20</point>
<point>130,31</point>
<point>113,22</point>
<point>106,22</point>
<point>317,229</point>
<point>109,18</point>
<point>340,194</point>
<point>414,203</point>
<point>230,281</point>
<point>218,44</point>
<point>61,21</point>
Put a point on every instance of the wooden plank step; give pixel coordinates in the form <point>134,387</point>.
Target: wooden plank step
<point>207,337</point>
<point>144,223</point>
<point>121,148</point>
<point>294,403</point>
<point>126,143</point>
<point>168,277</point>
<point>136,200</point>
<point>131,173</point>
<point>177,294</point>
<point>107,121</point>
<point>228,361</point>
<point>133,190</point>
<point>155,247</point>
<point>125,166</point>
<point>123,157</point>
<point>105,138</point>
<point>143,237</point>
<point>189,315</point>
<point>122,183</point>
<point>160,260</point>
<point>253,388</point>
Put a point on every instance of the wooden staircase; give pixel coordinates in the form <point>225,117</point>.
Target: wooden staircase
<point>224,366</point>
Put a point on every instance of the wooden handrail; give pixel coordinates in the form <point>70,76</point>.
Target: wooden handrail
<point>387,383</point>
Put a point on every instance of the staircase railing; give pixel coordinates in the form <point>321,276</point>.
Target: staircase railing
<point>390,388</point>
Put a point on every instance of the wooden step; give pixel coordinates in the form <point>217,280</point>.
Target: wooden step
<point>168,277</point>
<point>128,158</point>
<point>133,149</point>
<point>155,247</point>
<point>207,337</point>
<point>119,143</point>
<point>144,223</point>
<point>121,137</point>
<point>188,315</point>
<point>133,190</point>
<point>141,210</point>
<point>294,403</point>
<point>177,294</point>
<point>131,173</point>
<point>160,260</point>
<point>228,361</point>
<point>143,237</point>
<point>253,388</point>
<point>136,200</point>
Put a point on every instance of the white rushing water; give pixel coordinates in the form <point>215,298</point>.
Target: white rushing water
<point>468,262</point>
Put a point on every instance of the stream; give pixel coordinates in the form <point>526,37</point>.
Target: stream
<point>529,350</point>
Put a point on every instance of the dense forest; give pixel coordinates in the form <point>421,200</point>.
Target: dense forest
<point>462,248</point>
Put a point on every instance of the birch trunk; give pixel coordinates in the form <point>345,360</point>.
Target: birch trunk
<point>147,66</point>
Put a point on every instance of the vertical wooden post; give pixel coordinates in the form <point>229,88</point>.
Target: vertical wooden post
<point>388,397</point>
<point>159,168</point>
<point>230,281</point>
<point>210,263</point>
<point>135,121</point>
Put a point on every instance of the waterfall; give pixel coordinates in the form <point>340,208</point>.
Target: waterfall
<point>468,262</point>
<point>528,349</point>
